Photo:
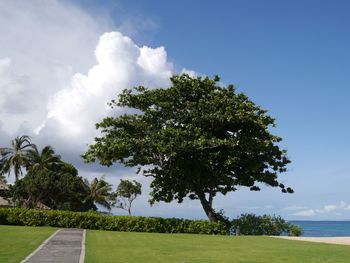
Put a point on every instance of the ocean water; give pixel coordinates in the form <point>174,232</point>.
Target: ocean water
<point>324,228</point>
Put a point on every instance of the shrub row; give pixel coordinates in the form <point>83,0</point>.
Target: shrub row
<point>93,220</point>
<point>246,224</point>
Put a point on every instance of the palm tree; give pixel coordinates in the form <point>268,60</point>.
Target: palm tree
<point>42,161</point>
<point>15,157</point>
<point>100,192</point>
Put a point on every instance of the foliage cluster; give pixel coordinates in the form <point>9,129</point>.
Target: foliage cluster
<point>56,190</point>
<point>49,182</point>
<point>195,139</point>
<point>295,230</point>
<point>126,193</point>
<point>93,220</point>
<point>251,224</point>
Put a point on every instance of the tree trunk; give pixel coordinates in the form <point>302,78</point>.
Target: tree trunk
<point>207,207</point>
<point>129,208</point>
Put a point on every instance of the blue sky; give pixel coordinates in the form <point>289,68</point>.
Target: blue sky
<point>290,57</point>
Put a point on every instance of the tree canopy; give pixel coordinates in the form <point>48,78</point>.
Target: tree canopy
<point>15,158</point>
<point>48,180</point>
<point>195,138</point>
<point>43,160</point>
<point>101,192</point>
<point>127,192</point>
<point>61,189</point>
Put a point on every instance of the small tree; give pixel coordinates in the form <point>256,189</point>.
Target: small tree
<point>44,160</point>
<point>126,193</point>
<point>101,192</point>
<point>14,158</point>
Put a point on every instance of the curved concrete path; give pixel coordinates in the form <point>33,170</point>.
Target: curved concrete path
<point>64,246</point>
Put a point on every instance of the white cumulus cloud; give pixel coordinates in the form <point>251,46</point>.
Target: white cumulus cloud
<point>73,110</point>
<point>58,70</point>
<point>43,43</point>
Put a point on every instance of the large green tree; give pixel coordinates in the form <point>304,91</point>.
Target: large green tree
<point>14,158</point>
<point>195,138</point>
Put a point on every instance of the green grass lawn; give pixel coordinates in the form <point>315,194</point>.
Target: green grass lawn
<point>105,246</point>
<point>17,242</point>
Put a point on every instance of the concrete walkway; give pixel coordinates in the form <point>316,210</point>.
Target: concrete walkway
<point>64,246</point>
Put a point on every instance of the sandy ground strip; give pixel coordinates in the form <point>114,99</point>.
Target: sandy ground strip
<point>329,240</point>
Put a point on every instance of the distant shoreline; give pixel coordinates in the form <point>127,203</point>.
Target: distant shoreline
<point>327,240</point>
<point>329,228</point>
<point>295,221</point>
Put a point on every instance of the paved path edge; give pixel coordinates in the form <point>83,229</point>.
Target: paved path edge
<point>41,246</point>
<point>82,252</point>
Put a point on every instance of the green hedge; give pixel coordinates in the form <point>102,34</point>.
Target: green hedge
<point>93,220</point>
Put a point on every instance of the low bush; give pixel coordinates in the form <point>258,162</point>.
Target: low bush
<point>93,220</point>
<point>295,230</point>
<point>251,224</point>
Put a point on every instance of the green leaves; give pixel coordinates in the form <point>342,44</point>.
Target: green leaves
<point>196,138</point>
<point>101,192</point>
<point>251,224</point>
<point>60,189</point>
<point>45,160</point>
<point>126,193</point>
<point>15,158</point>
